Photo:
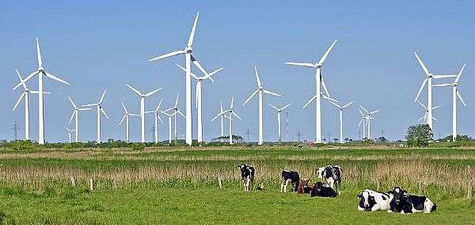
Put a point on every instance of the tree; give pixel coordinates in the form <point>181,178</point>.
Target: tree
<point>459,138</point>
<point>419,135</point>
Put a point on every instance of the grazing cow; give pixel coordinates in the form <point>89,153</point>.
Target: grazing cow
<point>331,175</point>
<point>247,176</point>
<point>401,202</point>
<point>373,201</point>
<point>322,191</point>
<point>289,176</point>
<point>304,187</point>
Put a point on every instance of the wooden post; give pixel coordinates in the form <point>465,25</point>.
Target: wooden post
<point>220,182</point>
<point>73,181</point>
<point>377,184</point>
<point>91,184</point>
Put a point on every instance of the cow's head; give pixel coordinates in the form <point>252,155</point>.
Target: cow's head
<point>367,201</point>
<point>318,186</point>
<point>399,194</point>
<point>304,182</point>
<point>319,172</point>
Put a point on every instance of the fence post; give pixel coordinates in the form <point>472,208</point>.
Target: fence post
<point>73,181</point>
<point>91,184</point>
<point>220,182</point>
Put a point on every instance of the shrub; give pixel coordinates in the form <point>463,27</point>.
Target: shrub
<point>138,146</point>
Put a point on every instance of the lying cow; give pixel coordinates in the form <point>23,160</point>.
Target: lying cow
<point>401,202</point>
<point>304,188</point>
<point>320,190</point>
<point>331,175</point>
<point>373,201</point>
<point>289,176</point>
<point>247,176</point>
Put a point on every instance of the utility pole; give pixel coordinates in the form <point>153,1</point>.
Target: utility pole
<point>15,129</point>
<point>299,135</point>
<point>248,132</point>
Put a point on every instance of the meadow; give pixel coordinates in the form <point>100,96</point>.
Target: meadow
<point>178,185</point>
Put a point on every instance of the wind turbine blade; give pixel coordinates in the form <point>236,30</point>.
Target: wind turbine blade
<point>216,117</point>
<point>435,119</point>
<point>423,106</point>
<point>102,97</point>
<point>89,105</point>
<point>461,99</point>
<point>283,108</point>
<point>309,101</point>
<point>21,80</point>
<point>184,70</point>
<point>338,106</point>
<point>420,89</point>
<point>84,109</point>
<point>133,89</point>
<point>72,116</point>
<point>329,99</point>
<point>325,88</point>
<point>460,73</point>
<point>18,101</point>
<point>198,65</point>
<point>232,104</point>
<point>366,111</point>
<point>423,117</point>
<point>209,76</point>
<point>348,104</point>
<point>441,85</point>
<point>422,64</point>
<point>324,57</point>
<point>272,93</point>
<point>374,112</point>
<point>259,85</point>
<point>171,54</point>
<point>361,112</point>
<point>125,109</point>
<point>250,97</point>
<point>104,112</point>
<point>158,106</point>
<point>443,76</point>
<point>236,115</point>
<point>311,65</point>
<point>181,114</point>
<point>159,118</point>
<point>38,53</point>
<point>176,101</point>
<point>72,103</point>
<point>273,107</point>
<point>122,120</point>
<point>436,107</point>
<point>193,29</point>
<point>361,121</point>
<point>51,76</point>
<point>25,80</point>
<point>152,92</point>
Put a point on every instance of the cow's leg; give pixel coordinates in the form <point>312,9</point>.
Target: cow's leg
<point>282,185</point>
<point>247,184</point>
<point>286,183</point>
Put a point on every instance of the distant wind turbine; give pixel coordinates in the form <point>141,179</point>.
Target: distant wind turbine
<point>100,110</point>
<point>126,118</point>
<point>230,113</point>
<point>157,118</point>
<point>369,117</point>
<point>142,106</point>
<point>75,115</point>
<point>340,110</point>
<point>175,111</point>
<point>279,110</point>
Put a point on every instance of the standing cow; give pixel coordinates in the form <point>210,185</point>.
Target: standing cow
<point>331,175</point>
<point>289,176</point>
<point>247,176</point>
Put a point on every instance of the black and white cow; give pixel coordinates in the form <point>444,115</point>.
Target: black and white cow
<point>247,176</point>
<point>373,201</point>
<point>322,191</point>
<point>289,176</point>
<point>402,202</point>
<point>331,175</point>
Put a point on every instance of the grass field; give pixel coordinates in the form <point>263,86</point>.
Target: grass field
<point>180,186</point>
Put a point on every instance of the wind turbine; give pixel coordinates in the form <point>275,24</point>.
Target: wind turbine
<point>369,117</point>
<point>25,95</point>
<point>260,90</point>
<point>157,118</point>
<point>99,110</point>
<point>279,110</point>
<point>175,112</point>
<point>75,115</point>
<point>340,109</point>
<point>198,95</point>
<point>70,132</point>
<point>126,118</point>
<point>169,115</point>
<point>221,119</point>
<point>142,106</point>
<point>40,72</point>
<point>455,94</point>
<point>319,84</point>
<point>423,118</point>
<point>188,60</point>
<point>230,115</point>
<point>428,80</point>
<point>362,123</point>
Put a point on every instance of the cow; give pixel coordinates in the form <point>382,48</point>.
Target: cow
<point>304,188</point>
<point>322,191</point>
<point>373,201</point>
<point>402,202</point>
<point>331,175</point>
<point>289,176</point>
<point>247,176</point>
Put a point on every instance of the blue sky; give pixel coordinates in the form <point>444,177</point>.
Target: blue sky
<point>105,44</point>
